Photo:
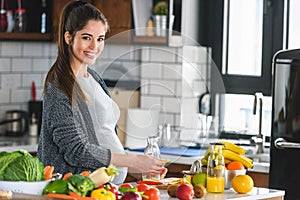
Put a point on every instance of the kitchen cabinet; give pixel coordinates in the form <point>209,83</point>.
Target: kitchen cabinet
<point>117,12</point>
<point>260,179</point>
<point>33,12</point>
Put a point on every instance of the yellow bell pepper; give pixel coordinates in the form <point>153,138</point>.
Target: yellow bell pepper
<point>103,194</point>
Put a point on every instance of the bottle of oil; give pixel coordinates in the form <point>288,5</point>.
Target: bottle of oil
<point>215,182</point>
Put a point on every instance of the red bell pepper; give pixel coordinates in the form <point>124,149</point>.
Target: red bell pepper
<point>111,187</point>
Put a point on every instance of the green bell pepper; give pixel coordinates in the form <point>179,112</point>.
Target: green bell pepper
<point>58,186</point>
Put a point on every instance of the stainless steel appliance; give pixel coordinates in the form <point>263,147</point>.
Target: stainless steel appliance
<point>16,122</point>
<point>285,136</point>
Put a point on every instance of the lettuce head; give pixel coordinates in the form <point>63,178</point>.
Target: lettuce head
<point>20,166</point>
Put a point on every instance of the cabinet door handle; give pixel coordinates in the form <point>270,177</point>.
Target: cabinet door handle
<point>281,143</point>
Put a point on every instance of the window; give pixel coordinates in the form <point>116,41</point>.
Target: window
<point>244,36</point>
<point>293,28</point>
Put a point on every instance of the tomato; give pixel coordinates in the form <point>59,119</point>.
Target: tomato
<point>126,185</point>
<point>152,193</point>
<point>142,187</point>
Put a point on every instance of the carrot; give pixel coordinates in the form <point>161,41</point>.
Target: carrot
<point>48,172</point>
<point>85,173</point>
<point>61,196</point>
<point>67,176</point>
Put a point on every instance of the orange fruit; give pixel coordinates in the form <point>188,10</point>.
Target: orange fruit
<point>235,165</point>
<point>242,184</point>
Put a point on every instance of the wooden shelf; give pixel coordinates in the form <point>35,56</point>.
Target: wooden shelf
<point>26,36</point>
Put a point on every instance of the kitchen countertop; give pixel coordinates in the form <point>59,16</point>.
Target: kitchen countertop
<point>29,144</point>
<point>256,193</point>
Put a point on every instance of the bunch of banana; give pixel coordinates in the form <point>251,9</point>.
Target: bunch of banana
<point>231,152</point>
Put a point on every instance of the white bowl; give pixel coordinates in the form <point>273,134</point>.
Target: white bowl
<point>27,187</point>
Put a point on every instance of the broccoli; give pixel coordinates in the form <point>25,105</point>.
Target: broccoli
<point>80,184</point>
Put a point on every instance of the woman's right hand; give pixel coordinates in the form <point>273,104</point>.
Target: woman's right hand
<point>148,164</point>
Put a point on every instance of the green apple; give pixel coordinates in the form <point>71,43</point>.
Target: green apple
<point>199,178</point>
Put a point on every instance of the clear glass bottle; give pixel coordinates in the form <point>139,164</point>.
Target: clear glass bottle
<point>20,20</point>
<point>215,182</point>
<point>10,21</point>
<point>152,149</point>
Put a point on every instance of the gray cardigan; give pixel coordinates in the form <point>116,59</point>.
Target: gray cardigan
<point>67,140</point>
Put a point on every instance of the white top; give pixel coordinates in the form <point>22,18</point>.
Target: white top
<point>105,114</point>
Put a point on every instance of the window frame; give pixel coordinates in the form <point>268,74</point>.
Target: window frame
<point>211,34</point>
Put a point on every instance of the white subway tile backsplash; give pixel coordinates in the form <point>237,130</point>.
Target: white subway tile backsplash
<point>53,50</point>
<point>171,104</point>
<point>40,65</point>
<point>171,78</point>
<point>162,87</point>
<point>151,70</point>
<point>20,95</point>
<point>172,71</point>
<point>5,65</point>
<point>150,102</point>
<point>32,49</point>
<point>145,86</point>
<point>11,49</point>
<point>10,81</point>
<point>120,52</point>
<point>163,54</point>
<point>21,64</point>
<point>28,78</point>
<point>145,54</point>
<point>4,94</point>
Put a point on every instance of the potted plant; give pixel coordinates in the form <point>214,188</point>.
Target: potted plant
<point>160,16</point>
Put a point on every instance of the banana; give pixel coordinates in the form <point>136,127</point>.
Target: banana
<point>233,147</point>
<point>230,155</point>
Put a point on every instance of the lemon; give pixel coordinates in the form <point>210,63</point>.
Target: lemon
<point>242,184</point>
<point>199,178</point>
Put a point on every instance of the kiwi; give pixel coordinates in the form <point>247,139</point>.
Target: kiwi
<point>199,191</point>
<point>171,189</point>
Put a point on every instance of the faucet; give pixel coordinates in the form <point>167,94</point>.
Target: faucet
<point>259,138</point>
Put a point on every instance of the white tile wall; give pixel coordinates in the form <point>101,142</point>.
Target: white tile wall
<point>171,78</point>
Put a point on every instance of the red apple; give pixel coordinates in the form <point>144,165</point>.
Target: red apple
<point>185,191</point>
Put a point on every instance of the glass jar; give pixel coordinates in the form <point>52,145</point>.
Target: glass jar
<point>215,182</point>
<point>10,21</point>
<point>152,149</point>
<point>3,21</point>
<point>20,20</point>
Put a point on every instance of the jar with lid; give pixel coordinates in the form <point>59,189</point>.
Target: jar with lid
<point>20,20</point>
<point>10,21</point>
<point>152,149</point>
<point>3,20</point>
<point>215,182</point>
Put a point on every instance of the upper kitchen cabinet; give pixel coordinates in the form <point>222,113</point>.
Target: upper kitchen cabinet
<point>117,12</point>
<point>36,25</point>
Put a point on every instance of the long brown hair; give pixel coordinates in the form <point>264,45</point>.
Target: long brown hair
<point>74,17</point>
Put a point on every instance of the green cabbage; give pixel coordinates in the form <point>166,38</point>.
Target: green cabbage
<point>20,166</point>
